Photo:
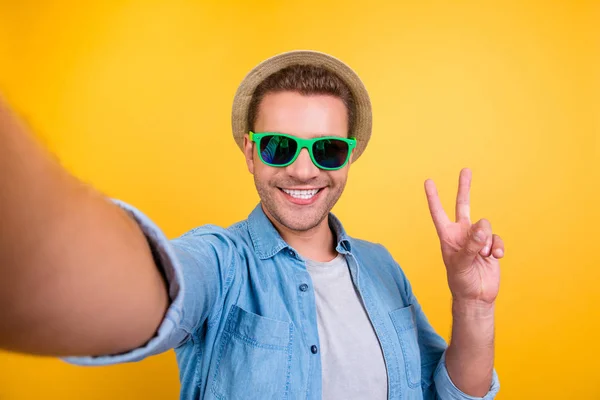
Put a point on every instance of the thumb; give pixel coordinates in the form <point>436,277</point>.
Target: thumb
<point>476,240</point>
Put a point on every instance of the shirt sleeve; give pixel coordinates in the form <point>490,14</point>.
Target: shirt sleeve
<point>447,390</point>
<point>198,268</point>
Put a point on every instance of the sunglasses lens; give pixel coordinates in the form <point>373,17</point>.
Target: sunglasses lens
<point>277,150</point>
<point>330,153</point>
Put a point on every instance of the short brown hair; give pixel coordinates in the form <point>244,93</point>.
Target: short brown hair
<point>306,80</point>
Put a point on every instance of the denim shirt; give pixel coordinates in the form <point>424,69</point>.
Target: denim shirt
<point>243,322</point>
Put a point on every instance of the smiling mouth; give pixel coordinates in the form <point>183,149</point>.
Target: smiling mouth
<point>305,194</point>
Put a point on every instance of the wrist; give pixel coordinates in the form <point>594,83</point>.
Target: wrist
<point>472,309</point>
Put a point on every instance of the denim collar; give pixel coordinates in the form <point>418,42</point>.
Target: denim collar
<point>268,242</point>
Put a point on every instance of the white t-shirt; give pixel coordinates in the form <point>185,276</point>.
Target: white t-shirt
<point>351,357</point>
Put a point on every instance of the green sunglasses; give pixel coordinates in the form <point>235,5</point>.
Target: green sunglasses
<point>329,153</point>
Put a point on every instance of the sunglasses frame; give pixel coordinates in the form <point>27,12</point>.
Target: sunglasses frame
<point>303,144</point>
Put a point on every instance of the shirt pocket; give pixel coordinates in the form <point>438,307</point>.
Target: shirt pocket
<point>254,356</point>
<point>404,320</point>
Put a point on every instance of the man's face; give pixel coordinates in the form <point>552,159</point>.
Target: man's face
<point>288,194</point>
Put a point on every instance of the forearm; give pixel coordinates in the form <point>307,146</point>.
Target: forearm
<point>77,273</point>
<point>470,356</point>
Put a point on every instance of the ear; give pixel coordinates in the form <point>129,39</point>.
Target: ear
<point>249,153</point>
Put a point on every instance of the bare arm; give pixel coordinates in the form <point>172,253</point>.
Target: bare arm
<point>77,276</point>
<point>470,356</point>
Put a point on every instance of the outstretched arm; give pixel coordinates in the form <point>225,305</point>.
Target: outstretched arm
<point>77,276</point>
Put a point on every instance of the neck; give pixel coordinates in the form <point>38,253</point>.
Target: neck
<point>317,244</point>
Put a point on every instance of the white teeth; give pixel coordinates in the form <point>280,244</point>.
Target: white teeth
<point>301,194</point>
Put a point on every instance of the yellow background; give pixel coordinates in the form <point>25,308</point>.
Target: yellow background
<point>135,96</point>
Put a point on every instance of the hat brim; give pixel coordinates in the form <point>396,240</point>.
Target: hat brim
<point>241,102</point>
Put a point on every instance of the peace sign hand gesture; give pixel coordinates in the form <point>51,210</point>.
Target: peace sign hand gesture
<point>471,252</point>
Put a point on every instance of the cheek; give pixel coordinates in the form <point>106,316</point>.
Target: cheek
<point>339,176</point>
<point>264,174</point>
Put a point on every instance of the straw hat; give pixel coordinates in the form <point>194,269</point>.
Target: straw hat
<point>241,101</point>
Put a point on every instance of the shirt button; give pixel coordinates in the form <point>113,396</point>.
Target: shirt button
<point>303,287</point>
<point>313,349</point>
<point>291,253</point>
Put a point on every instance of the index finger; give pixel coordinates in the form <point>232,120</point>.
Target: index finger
<point>463,204</point>
<point>440,219</point>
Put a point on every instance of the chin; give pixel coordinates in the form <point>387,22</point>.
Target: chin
<point>299,220</point>
<point>302,226</point>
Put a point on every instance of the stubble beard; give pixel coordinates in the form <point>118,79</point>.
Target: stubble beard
<point>304,218</point>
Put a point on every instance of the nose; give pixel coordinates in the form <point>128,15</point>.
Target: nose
<point>303,168</point>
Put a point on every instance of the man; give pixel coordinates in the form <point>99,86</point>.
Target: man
<point>282,305</point>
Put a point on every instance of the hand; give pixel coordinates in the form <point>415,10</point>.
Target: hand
<point>470,252</point>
